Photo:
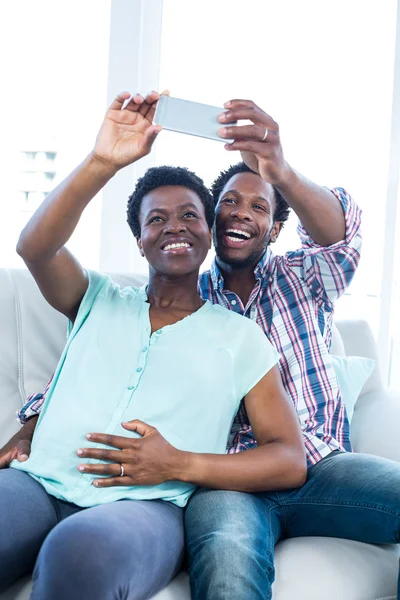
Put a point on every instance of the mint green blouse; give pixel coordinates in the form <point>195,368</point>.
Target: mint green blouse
<point>186,379</point>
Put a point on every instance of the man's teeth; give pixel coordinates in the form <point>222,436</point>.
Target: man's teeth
<point>239,232</point>
<point>180,245</point>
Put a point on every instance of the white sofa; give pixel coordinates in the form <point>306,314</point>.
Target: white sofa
<point>31,338</point>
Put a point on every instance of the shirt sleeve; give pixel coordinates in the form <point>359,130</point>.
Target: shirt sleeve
<point>96,283</point>
<point>33,405</point>
<point>255,358</point>
<point>328,271</point>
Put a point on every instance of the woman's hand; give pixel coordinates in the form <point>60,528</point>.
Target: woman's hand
<point>127,135</point>
<point>148,460</point>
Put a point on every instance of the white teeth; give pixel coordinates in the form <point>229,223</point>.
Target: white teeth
<point>240,232</point>
<point>233,239</point>
<point>180,245</point>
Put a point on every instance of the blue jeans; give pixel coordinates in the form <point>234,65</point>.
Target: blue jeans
<point>231,535</point>
<point>125,550</point>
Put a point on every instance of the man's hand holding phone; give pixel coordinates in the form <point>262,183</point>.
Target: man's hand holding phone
<point>258,141</point>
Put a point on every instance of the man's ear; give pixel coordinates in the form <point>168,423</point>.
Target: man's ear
<point>139,243</point>
<point>276,229</point>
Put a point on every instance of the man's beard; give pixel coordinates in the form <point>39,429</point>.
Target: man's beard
<point>242,263</point>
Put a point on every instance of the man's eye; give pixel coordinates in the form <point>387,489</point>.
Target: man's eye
<point>190,214</point>
<point>228,200</point>
<point>258,206</point>
<point>154,219</point>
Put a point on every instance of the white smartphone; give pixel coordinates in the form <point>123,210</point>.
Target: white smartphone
<point>188,117</point>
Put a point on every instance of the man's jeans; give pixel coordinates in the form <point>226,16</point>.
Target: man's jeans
<point>231,535</point>
<point>127,550</point>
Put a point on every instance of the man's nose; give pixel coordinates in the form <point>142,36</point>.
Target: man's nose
<point>241,213</point>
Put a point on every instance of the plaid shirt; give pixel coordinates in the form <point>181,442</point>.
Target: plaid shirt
<point>292,301</point>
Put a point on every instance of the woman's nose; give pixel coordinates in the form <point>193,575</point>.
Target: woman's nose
<point>175,227</point>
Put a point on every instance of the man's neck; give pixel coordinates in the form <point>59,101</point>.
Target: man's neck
<point>238,280</point>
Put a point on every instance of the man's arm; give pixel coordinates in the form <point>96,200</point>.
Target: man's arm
<point>19,446</point>
<point>277,463</point>
<point>317,208</point>
<point>125,136</point>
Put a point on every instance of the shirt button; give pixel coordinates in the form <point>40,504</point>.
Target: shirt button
<point>131,387</point>
<point>139,369</point>
<point>233,302</point>
<point>144,349</point>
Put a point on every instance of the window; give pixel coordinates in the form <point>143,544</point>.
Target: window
<point>324,71</point>
<point>394,372</point>
<point>54,98</point>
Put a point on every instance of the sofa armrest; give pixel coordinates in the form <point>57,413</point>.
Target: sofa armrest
<point>376,424</point>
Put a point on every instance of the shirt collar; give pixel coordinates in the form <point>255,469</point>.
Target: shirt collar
<point>260,270</point>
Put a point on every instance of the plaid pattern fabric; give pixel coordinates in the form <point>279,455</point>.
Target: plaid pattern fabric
<point>292,301</point>
<point>32,406</point>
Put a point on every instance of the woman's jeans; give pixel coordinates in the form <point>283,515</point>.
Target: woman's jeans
<point>126,550</point>
<point>231,535</point>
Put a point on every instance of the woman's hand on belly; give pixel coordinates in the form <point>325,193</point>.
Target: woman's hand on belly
<point>149,460</point>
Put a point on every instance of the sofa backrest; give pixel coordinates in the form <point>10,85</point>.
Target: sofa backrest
<point>32,335</point>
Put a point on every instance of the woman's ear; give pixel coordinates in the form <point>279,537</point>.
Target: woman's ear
<point>139,243</point>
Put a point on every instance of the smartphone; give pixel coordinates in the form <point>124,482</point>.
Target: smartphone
<point>188,117</point>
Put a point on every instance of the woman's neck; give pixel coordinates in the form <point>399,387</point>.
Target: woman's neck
<point>179,293</point>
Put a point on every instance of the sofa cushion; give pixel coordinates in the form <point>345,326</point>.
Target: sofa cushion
<point>337,345</point>
<point>10,396</point>
<point>375,425</point>
<point>359,340</point>
<point>349,570</point>
<point>313,567</point>
<point>352,373</point>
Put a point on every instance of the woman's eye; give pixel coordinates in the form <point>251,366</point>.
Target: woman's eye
<point>190,214</point>
<point>154,219</point>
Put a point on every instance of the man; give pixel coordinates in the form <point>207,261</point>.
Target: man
<point>292,299</point>
<point>231,535</point>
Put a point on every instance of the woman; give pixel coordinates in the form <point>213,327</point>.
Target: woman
<point>171,368</point>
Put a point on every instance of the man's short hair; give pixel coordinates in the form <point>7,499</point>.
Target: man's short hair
<point>282,209</point>
<point>156,177</point>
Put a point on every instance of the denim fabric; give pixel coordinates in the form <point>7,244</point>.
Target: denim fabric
<point>231,535</point>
